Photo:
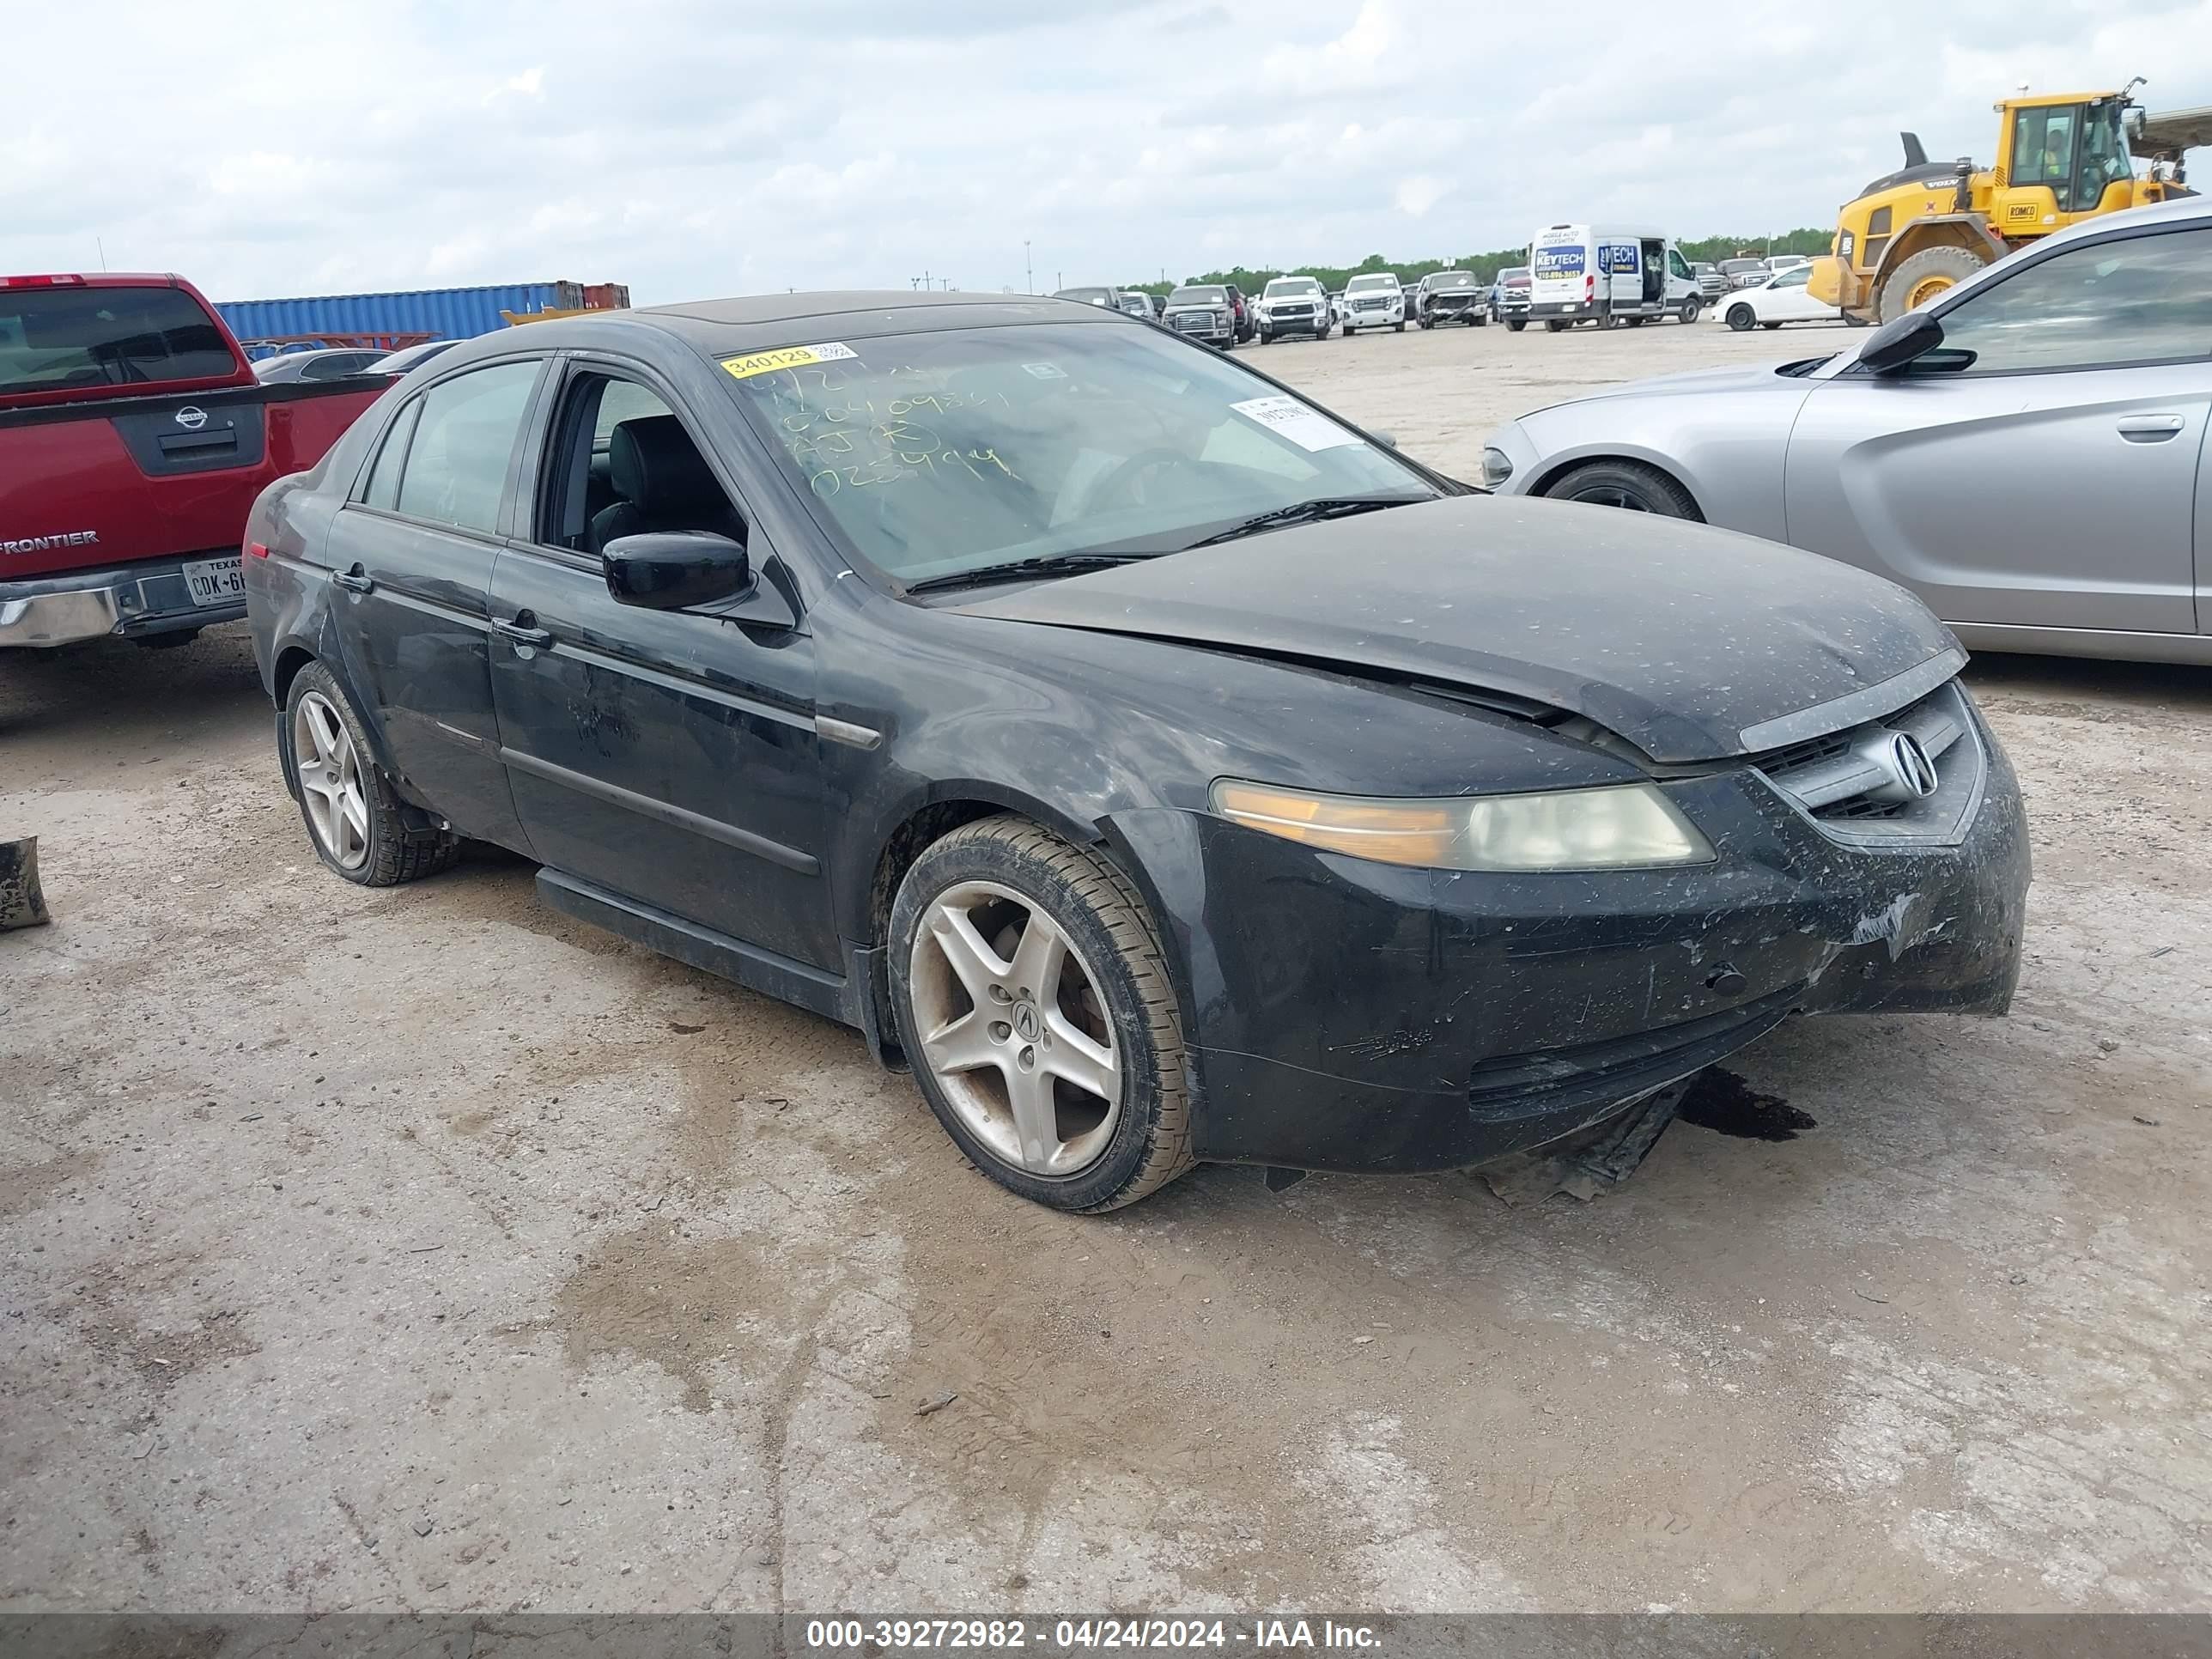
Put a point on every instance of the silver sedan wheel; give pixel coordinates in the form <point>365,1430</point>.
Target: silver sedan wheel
<point>329,774</point>
<point>1014,1028</point>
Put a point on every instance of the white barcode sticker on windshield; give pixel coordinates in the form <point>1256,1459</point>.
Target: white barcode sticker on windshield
<point>1287,417</point>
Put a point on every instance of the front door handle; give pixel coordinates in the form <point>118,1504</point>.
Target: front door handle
<point>355,581</point>
<point>524,632</point>
<point>2151,428</point>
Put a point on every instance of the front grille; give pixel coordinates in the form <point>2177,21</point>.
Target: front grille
<point>1854,785</point>
<point>1197,322</point>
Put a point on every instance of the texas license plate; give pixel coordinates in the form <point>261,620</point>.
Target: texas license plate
<point>212,581</point>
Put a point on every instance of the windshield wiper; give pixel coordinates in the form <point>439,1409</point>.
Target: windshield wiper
<point>1313,512</point>
<point>1051,564</point>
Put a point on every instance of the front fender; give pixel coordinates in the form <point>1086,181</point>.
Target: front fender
<point>1728,451</point>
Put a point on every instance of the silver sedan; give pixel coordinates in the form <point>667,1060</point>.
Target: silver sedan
<point>2027,453</point>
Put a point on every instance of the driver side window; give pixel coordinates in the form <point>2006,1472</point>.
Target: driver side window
<point>623,464</point>
<point>2143,300</point>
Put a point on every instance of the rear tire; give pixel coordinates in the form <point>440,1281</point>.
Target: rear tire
<point>1919,279</point>
<point>354,817</point>
<point>1689,312</point>
<point>1514,325</point>
<point>1102,988</point>
<point>1555,325</point>
<point>1628,485</point>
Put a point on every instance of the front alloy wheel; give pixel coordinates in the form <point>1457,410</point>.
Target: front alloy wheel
<point>1034,1005</point>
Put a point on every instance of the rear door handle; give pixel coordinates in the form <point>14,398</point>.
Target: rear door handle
<point>355,581</point>
<point>2151,428</point>
<point>523,632</point>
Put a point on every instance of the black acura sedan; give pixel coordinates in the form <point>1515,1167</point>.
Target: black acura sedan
<point>1164,769</point>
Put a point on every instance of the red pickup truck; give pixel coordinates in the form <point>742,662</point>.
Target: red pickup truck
<point>133,442</point>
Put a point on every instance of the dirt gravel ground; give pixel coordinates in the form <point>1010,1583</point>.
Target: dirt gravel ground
<point>423,1249</point>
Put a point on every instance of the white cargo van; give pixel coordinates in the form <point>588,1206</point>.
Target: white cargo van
<point>1608,275</point>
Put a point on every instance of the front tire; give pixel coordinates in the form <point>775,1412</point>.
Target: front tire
<point>1628,485</point>
<point>1515,325</point>
<point>353,818</point>
<point>1689,313</point>
<point>1740,317</point>
<point>1032,997</point>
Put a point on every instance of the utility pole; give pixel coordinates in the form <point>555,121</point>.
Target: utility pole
<point>1029,271</point>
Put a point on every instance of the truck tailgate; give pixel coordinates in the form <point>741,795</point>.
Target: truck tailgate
<point>86,485</point>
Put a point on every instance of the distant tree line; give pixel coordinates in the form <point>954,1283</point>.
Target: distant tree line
<point>1485,266</point>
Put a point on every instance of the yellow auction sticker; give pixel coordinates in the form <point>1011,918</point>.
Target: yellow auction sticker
<point>766,363</point>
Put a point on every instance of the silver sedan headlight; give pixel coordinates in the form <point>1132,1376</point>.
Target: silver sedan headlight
<point>1620,826</point>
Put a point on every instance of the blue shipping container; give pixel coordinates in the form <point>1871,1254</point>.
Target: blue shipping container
<point>443,314</point>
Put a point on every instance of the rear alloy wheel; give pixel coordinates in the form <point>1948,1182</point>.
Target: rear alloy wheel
<point>1033,1001</point>
<point>1740,317</point>
<point>353,818</point>
<point>1690,311</point>
<point>1626,485</point>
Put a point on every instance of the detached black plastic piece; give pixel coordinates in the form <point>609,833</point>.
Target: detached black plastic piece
<point>21,904</point>
<point>1279,1178</point>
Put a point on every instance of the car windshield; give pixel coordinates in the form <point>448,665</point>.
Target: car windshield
<point>1089,296</point>
<point>1451,278</point>
<point>1369,284</point>
<point>930,454</point>
<point>407,358</point>
<point>1733,267</point>
<point>1285,288</point>
<point>1514,276</point>
<point>1198,296</point>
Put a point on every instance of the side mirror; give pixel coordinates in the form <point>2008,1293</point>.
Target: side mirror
<point>675,570</point>
<point>1893,345</point>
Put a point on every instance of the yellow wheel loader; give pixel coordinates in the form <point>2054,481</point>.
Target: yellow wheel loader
<point>2062,157</point>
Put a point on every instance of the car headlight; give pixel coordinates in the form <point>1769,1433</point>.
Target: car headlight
<point>1612,827</point>
<point>1497,467</point>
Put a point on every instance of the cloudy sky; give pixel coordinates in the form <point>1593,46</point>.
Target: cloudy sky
<point>689,148</point>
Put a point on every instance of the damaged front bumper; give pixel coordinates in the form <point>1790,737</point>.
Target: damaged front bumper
<point>1352,1015</point>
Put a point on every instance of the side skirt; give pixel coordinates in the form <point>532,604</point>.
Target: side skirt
<point>831,995</point>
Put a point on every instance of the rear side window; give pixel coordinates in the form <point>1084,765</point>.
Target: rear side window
<point>58,339</point>
<point>456,469</point>
<point>383,489</point>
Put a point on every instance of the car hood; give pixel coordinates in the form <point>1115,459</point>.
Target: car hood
<point>1727,382</point>
<point>1679,637</point>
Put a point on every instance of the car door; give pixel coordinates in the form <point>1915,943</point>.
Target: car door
<point>668,756</point>
<point>1786,300</point>
<point>411,558</point>
<point>2041,470</point>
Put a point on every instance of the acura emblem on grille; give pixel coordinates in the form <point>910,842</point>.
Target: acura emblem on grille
<point>1910,766</point>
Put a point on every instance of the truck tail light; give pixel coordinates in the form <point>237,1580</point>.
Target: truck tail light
<point>257,549</point>
<point>41,281</point>
<point>1589,285</point>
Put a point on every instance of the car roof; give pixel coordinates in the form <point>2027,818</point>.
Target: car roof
<point>722,328</point>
